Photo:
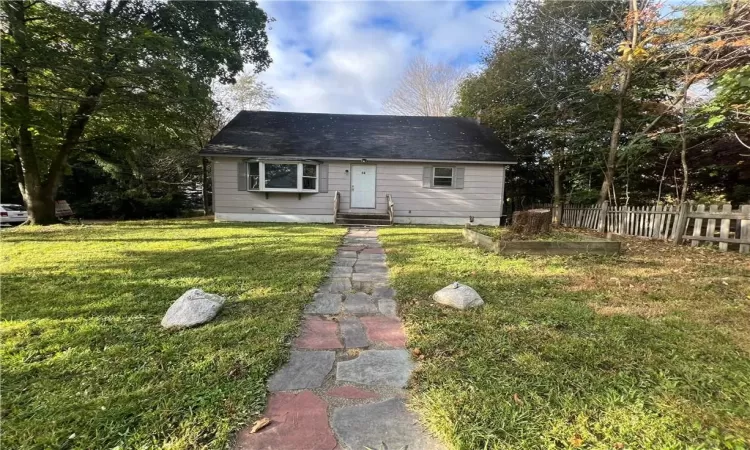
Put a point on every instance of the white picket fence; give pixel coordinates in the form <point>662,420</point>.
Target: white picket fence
<point>719,225</point>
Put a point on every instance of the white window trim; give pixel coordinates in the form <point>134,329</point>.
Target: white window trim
<point>452,177</point>
<point>300,166</point>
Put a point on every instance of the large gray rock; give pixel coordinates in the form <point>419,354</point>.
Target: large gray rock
<point>194,307</point>
<point>458,296</point>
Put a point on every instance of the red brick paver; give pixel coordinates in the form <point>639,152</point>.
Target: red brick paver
<point>318,334</point>
<point>386,330</point>
<point>298,421</point>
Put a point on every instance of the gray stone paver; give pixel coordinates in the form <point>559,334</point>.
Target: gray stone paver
<point>377,367</point>
<point>304,370</point>
<point>369,276</point>
<point>353,333</point>
<point>344,262</point>
<point>387,307</point>
<point>337,285</point>
<point>360,303</point>
<point>338,271</point>
<point>359,269</point>
<point>324,303</point>
<point>365,257</point>
<point>384,292</point>
<point>370,268</point>
<point>374,424</point>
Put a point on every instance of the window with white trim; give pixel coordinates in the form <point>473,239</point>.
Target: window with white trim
<point>442,177</point>
<point>253,176</point>
<point>282,176</point>
<point>309,177</point>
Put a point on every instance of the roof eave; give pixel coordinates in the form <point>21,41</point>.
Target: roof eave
<point>324,158</point>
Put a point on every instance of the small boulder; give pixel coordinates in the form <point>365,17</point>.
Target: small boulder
<point>193,308</point>
<point>458,296</point>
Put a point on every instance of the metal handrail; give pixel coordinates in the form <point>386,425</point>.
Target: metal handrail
<point>336,204</point>
<point>389,201</point>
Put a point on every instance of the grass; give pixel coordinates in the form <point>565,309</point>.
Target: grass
<point>85,361</point>
<point>650,349</point>
<point>504,234</point>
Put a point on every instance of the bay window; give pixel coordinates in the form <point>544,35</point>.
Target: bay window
<point>282,176</point>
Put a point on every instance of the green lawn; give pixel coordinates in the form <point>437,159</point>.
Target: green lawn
<point>646,350</point>
<point>85,363</point>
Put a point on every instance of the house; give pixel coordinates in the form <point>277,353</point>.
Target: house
<point>357,169</point>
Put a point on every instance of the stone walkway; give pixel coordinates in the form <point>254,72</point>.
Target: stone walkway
<point>343,387</point>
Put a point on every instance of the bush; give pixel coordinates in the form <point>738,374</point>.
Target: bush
<point>131,204</point>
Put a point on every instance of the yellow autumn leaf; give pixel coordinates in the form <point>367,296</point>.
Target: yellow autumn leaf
<point>640,52</point>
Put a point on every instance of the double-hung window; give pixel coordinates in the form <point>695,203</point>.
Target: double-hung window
<point>282,176</point>
<point>442,177</point>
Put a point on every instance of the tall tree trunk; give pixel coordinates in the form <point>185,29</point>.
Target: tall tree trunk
<point>614,141</point>
<point>683,157</point>
<point>204,189</point>
<point>557,193</point>
<point>39,192</point>
<point>664,174</point>
<point>41,208</point>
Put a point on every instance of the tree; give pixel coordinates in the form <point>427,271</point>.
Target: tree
<point>425,89</point>
<point>535,91</point>
<point>66,66</point>
<point>247,93</point>
<point>700,42</point>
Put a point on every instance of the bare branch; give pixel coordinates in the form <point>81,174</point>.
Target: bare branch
<point>425,90</point>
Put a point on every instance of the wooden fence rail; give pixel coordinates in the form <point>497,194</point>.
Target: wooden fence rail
<point>713,224</point>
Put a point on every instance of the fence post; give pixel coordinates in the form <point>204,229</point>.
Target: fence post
<point>681,222</point>
<point>744,226</point>
<point>656,228</point>
<point>603,217</point>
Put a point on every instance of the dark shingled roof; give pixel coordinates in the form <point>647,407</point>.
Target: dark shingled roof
<point>276,134</point>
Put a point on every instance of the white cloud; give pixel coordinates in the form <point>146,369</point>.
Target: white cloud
<point>346,57</point>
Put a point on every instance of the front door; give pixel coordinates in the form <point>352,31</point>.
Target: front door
<point>363,186</point>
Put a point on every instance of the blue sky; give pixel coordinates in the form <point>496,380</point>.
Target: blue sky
<point>346,57</point>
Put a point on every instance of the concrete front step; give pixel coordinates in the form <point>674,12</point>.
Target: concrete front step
<point>362,219</point>
<point>363,216</point>
<point>362,222</point>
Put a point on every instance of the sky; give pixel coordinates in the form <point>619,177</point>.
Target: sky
<point>346,57</point>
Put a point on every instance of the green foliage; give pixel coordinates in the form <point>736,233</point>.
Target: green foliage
<point>121,82</point>
<point>552,80</point>
<point>85,361</point>
<point>644,350</point>
<point>536,93</point>
<point>731,104</point>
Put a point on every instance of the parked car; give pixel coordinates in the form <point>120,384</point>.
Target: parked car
<point>12,214</point>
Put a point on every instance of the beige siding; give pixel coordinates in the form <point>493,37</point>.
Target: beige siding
<point>481,196</point>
